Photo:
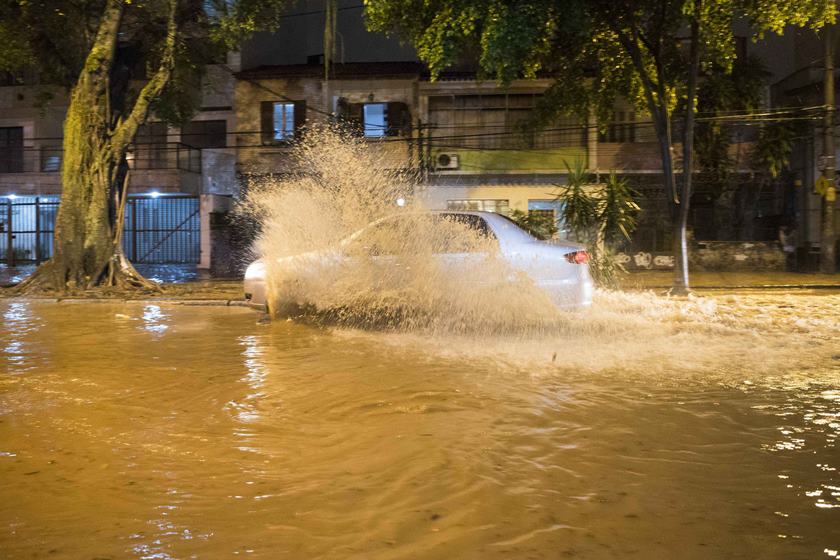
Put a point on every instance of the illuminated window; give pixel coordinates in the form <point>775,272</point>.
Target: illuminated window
<point>280,121</point>
<point>284,121</point>
<point>374,120</point>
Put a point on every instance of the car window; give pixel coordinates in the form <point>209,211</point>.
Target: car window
<point>419,234</point>
<point>472,234</point>
<point>473,222</point>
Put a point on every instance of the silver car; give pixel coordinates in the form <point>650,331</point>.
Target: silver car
<point>559,269</point>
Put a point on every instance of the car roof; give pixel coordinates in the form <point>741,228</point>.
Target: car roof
<point>505,229</point>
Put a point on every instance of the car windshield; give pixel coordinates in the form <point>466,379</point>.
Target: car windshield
<point>424,233</point>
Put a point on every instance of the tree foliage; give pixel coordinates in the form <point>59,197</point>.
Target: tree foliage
<point>774,147</point>
<point>541,226</point>
<point>48,42</point>
<point>721,95</point>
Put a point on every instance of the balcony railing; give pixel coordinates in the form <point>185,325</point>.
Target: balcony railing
<point>173,155</point>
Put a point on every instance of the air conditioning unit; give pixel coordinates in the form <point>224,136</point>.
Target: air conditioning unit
<point>446,160</point>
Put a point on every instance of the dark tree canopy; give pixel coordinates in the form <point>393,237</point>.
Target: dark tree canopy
<point>47,42</point>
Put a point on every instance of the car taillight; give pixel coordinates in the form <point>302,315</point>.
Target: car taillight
<point>578,257</point>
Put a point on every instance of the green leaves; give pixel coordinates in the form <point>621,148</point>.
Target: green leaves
<point>511,39</point>
<point>773,148</point>
<point>580,211</point>
<point>618,210</point>
<point>541,226</point>
<point>598,213</point>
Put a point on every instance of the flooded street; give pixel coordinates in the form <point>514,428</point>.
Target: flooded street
<point>700,430</point>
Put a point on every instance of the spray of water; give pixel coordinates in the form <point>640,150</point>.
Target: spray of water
<point>310,241</point>
<point>337,245</point>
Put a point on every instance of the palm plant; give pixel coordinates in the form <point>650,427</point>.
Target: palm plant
<point>618,210</point>
<point>580,206</point>
<point>601,216</point>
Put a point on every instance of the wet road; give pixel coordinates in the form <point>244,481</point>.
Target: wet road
<point>706,430</point>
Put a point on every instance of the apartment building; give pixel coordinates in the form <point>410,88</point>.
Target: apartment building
<point>176,173</point>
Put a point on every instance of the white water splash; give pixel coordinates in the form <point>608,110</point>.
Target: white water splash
<point>335,188</point>
<point>316,214</point>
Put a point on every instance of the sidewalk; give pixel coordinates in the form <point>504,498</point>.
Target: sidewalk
<point>655,280</point>
<point>184,283</point>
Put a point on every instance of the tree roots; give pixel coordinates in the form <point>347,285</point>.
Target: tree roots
<point>118,277</point>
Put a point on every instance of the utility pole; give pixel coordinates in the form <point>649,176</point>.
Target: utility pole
<point>828,262</point>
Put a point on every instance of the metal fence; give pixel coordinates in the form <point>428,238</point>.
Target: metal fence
<point>157,230</point>
<point>162,229</point>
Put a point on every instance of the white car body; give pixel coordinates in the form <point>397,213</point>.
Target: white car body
<point>551,266</point>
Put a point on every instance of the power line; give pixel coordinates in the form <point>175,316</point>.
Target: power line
<point>744,120</point>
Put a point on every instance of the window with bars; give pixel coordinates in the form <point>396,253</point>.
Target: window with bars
<point>497,121</point>
<point>375,120</point>
<point>622,128</point>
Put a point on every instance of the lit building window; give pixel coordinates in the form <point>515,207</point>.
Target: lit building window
<point>375,120</point>
<point>284,121</point>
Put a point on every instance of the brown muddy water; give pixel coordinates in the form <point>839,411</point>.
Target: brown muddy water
<point>645,429</point>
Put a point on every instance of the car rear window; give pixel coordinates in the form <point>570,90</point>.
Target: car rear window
<point>473,222</point>
<point>424,233</point>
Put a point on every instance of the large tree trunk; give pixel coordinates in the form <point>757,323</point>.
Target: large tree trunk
<point>83,237</point>
<point>87,242</point>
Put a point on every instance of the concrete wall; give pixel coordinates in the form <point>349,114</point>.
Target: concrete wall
<point>42,132</point>
<point>734,256</point>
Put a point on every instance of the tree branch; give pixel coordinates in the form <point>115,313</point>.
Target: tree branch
<point>635,53</point>
<point>127,128</point>
<point>659,112</point>
<point>101,56</point>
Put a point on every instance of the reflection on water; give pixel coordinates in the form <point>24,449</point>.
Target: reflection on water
<point>145,431</point>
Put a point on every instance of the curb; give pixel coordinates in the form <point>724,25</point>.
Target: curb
<point>746,287</point>
<point>182,302</point>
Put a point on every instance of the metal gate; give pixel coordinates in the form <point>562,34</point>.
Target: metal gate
<point>157,229</point>
<point>26,228</point>
<point>163,229</point>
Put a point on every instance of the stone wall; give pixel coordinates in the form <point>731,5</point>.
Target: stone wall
<point>737,256</point>
<point>728,256</point>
